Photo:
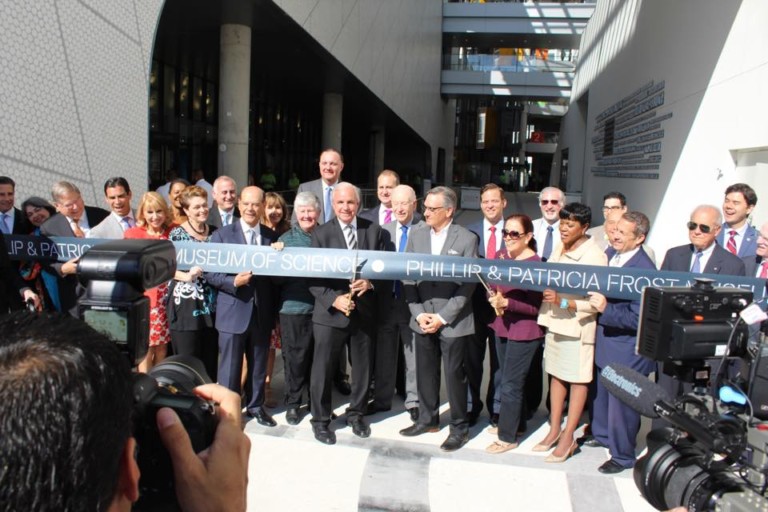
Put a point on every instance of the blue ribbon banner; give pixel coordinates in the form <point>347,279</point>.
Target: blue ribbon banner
<point>614,282</point>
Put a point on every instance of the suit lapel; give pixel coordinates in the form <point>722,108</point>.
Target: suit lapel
<point>237,229</point>
<point>450,239</point>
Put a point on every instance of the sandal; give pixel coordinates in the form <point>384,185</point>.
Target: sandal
<point>500,447</point>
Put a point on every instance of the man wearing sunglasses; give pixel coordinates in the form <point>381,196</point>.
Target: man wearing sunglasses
<point>546,229</point>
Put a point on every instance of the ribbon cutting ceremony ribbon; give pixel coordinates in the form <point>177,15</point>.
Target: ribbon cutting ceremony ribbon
<point>613,282</point>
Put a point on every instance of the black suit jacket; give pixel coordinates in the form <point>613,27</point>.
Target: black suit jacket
<point>721,261</point>
<point>21,225</point>
<point>58,225</point>
<point>330,235</point>
<point>214,217</point>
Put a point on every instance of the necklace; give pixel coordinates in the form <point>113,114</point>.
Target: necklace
<point>202,232</point>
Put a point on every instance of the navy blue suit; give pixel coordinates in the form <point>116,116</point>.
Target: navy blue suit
<point>614,424</point>
<point>721,262</point>
<point>748,244</point>
<point>245,316</point>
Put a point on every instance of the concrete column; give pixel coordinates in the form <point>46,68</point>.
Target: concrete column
<point>332,111</point>
<point>523,131</point>
<point>378,145</point>
<point>234,101</point>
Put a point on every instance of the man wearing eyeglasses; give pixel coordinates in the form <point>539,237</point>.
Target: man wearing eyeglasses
<point>442,321</point>
<point>546,229</point>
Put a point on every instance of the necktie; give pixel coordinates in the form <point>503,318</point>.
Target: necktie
<point>351,237</point>
<point>696,267</point>
<point>328,206</point>
<point>616,260</point>
<point>4,223</point>
<point>251,237</point>
<point>764,270</point>
<point>76,229</point>
<point>401,248</point>
<point>387,216</point>
<point>731,245</point>
<point>225,219</point>
<point>490,250</point>
<point>127,223</point>
<point>547,251</point>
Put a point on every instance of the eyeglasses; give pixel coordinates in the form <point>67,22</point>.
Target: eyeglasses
<point>703,227</point>
<point>607,208</point>
<point>433,209</point>
<point>514,235</point>
<point>553,202</point>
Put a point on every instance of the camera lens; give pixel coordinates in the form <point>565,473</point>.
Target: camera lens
<point>183,372</point>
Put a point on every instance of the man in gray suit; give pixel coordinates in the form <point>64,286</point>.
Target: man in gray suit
<point>331,164</point>
<point>224,211</point>
<point>442,320</point>
<point>117,194</point>
<point>394,315</point>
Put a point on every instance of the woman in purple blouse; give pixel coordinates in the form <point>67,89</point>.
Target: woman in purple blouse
<point>517,333</point>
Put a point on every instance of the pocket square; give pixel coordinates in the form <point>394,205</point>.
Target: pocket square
<point>452,252</point>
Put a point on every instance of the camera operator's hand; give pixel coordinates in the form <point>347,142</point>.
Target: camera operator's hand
<point>216,479</point>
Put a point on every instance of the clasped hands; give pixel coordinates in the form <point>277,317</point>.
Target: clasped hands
<point>429,323</point>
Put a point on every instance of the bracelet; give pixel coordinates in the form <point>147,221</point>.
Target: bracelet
<point>564,304</point>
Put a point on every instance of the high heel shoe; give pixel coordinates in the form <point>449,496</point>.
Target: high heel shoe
<point>562,458</point>
<point>541,447</point>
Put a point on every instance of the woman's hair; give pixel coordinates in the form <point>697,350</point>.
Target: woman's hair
<point>578,212</point>
<point>178,180</point>
<point>270,199</point>
<point>527,224</point>
<point>191,192</point>
<point>156,201</point>
<point>37,202</point>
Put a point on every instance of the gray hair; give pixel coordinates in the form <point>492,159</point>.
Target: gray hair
<point>640,220</point>
<point>347,185</point>
<point>61,188</point>
<point>306,198</point>
<point>715,210</point>
<point>449,196</point>
<point>406,189</point>
<point>551,189</point>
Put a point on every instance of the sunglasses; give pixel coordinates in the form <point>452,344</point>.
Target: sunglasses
<point>553,202</point>
<point>703,227</point>
<point>514,235</point>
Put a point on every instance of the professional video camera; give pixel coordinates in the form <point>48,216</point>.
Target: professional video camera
<point>706,459</point>
<point>115,275</point>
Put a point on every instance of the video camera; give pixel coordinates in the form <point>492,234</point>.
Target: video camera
<point>115,275</point>
<point>705,459</point>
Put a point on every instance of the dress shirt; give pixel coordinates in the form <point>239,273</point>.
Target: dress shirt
<point>383,213</point>
<point>739,238</point>
<point>437,240</point>
<point>10,216</point>
<point>226,217</point>
<point>705,255</point>
<point>246,228</point>
<point>487,234</point>
<point>82,224</point>
<point>121,217</point>
<point>623,257</point>
<point>540,234</point>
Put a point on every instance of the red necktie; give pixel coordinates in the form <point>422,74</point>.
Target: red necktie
<point>490,251</point>
<point>731,245</point>
<point>764,270</point>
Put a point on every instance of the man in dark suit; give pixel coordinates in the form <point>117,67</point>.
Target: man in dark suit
<point>345,311</point>
<point>331,164</point>
<point>442,320</point>
<point>738,236</point>
<point>614,424</point>
<point>12,220</point>
<point>245,309</point>
<point>73,219</point>
<point>224,211</point>
<point>394,316</point>
<point>489,242</point>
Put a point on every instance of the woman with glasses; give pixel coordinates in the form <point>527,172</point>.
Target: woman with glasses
<point>518,335</point>
<point>571,322</point>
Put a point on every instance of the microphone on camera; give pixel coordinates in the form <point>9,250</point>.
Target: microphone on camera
<point>651,400</point>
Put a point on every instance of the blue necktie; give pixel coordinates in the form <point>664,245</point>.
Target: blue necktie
<point>4,224</point>
<point>547,244</point>
<point>328,206</point>
<point>401,248</point>
<point>696,268</point>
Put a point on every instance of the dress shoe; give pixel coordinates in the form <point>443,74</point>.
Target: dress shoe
<point>611,467</point>
<point>472,418</point>
<point>500,447</point>
<point>343,387</point>
<point>562,458</point>
<point>592,442</point>
<point>262,417</point>
<point>292,416</point>
<point>373,409</point>
<point>454,442</point>
<point>494,421</point>
<point>417,429</point>
<point>324,434</point>
<point>359,427</point>
<point>542,447</point>
<point>414,413</point>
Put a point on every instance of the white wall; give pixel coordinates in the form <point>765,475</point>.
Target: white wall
<point>711,56</point>
<point>394,48</point>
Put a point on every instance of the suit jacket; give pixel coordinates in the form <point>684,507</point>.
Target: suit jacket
<point>372,214</point>
<point>21,225</point>
<point>108,228</point>
<point>58,225</point>
<point>234,305</point>
<point>316,187</point>
<point>393,309</point>
<point>325,291</point>
<point>214,217</point>
<point>748,244</point>
<point>721,262</point>
<point>484,313</point>
<point>617,325</point>
<point>11,282</point>
<point>451,300</point>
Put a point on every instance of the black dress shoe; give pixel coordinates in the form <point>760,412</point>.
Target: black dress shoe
<point>417,429</point>
<point>472,418</point>
<point>359,427</point>
<point>292,416</point>
<point>324,434</point>
<point>592,442</point>
<point>373,409</point>
<point>414,413</point>
<point>262,417</point>
<point>454,442</point>
<point>611,467</point>
<point>494,421</point>
<point>343,387</point>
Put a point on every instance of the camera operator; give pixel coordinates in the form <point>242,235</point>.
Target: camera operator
<point>65,432</point>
